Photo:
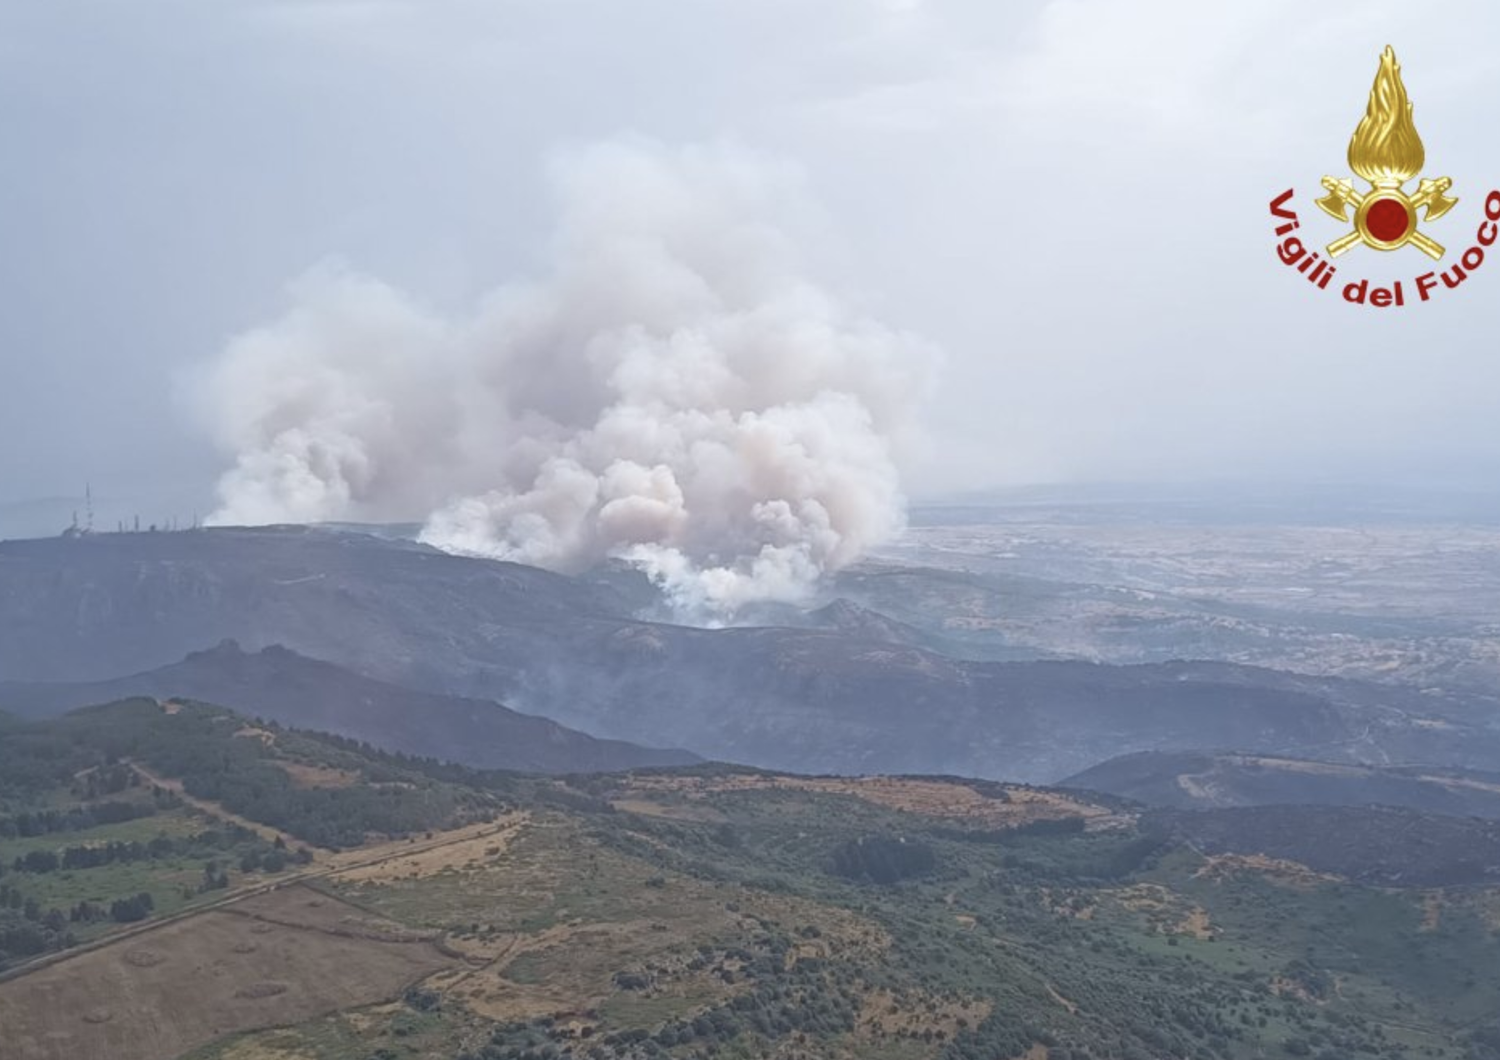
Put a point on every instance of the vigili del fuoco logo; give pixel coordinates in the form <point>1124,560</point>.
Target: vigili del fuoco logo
<point>1386,153</point>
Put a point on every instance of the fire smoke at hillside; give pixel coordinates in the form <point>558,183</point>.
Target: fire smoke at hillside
<point>675,394</point>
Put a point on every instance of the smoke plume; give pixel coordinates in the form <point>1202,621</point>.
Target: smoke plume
<point>675,394</point>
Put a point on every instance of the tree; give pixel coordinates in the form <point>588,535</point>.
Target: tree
<point>129,910</point>
<point>883,859</point>
<point>38,861</point>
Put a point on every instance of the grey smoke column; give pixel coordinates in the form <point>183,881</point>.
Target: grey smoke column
<point>675,394</point>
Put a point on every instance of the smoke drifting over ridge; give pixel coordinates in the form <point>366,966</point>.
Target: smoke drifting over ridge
<point>674,394</point>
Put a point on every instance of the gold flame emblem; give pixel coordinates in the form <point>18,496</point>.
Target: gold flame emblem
<point>1387,152</point>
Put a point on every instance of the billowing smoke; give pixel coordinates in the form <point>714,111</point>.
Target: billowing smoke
<point>675,395</point>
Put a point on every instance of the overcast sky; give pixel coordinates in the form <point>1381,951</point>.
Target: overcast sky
<point>1068,198</point>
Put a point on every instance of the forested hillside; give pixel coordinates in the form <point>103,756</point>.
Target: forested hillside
<point>363,904</point>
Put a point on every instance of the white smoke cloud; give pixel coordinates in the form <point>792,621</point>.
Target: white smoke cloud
<point>676,394</point>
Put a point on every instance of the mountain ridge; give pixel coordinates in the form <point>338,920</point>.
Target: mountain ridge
<point>280,685</point>
<point>573,650</point>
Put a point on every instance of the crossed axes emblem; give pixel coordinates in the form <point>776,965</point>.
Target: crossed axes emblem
<point>1390,231</point>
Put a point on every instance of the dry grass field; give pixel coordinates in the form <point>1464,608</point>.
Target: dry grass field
<point>547,917</point>
<point>311,776</point>
<point>1294,874</point>
<point>567,970</point>
<point>276,959</point>
<point>885,1014</point>
<point>1164,910</point>
<point>467,848</point>
<point>930,798</point>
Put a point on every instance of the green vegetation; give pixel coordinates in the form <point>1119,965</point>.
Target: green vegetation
<point>88,840</point>
<point>882,859</point>
<point>1107,944</point>
<point>53,895</point>
<point>695,915</point>
<point>247,774</point>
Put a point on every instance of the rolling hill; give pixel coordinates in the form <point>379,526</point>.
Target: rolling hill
<point>279,685</point>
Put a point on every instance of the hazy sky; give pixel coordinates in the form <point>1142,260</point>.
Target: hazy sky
<point>1068,198</point>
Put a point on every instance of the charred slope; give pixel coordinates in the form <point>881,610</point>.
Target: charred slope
<point>282,686</point>
<point>1191,780</point>
<point>820,700</point>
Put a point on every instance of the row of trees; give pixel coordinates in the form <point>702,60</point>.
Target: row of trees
<point>203,844</point>
<point>22,936</point>
<point>129,910</point>
<point>30,824</point>
<point>28,930</point>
